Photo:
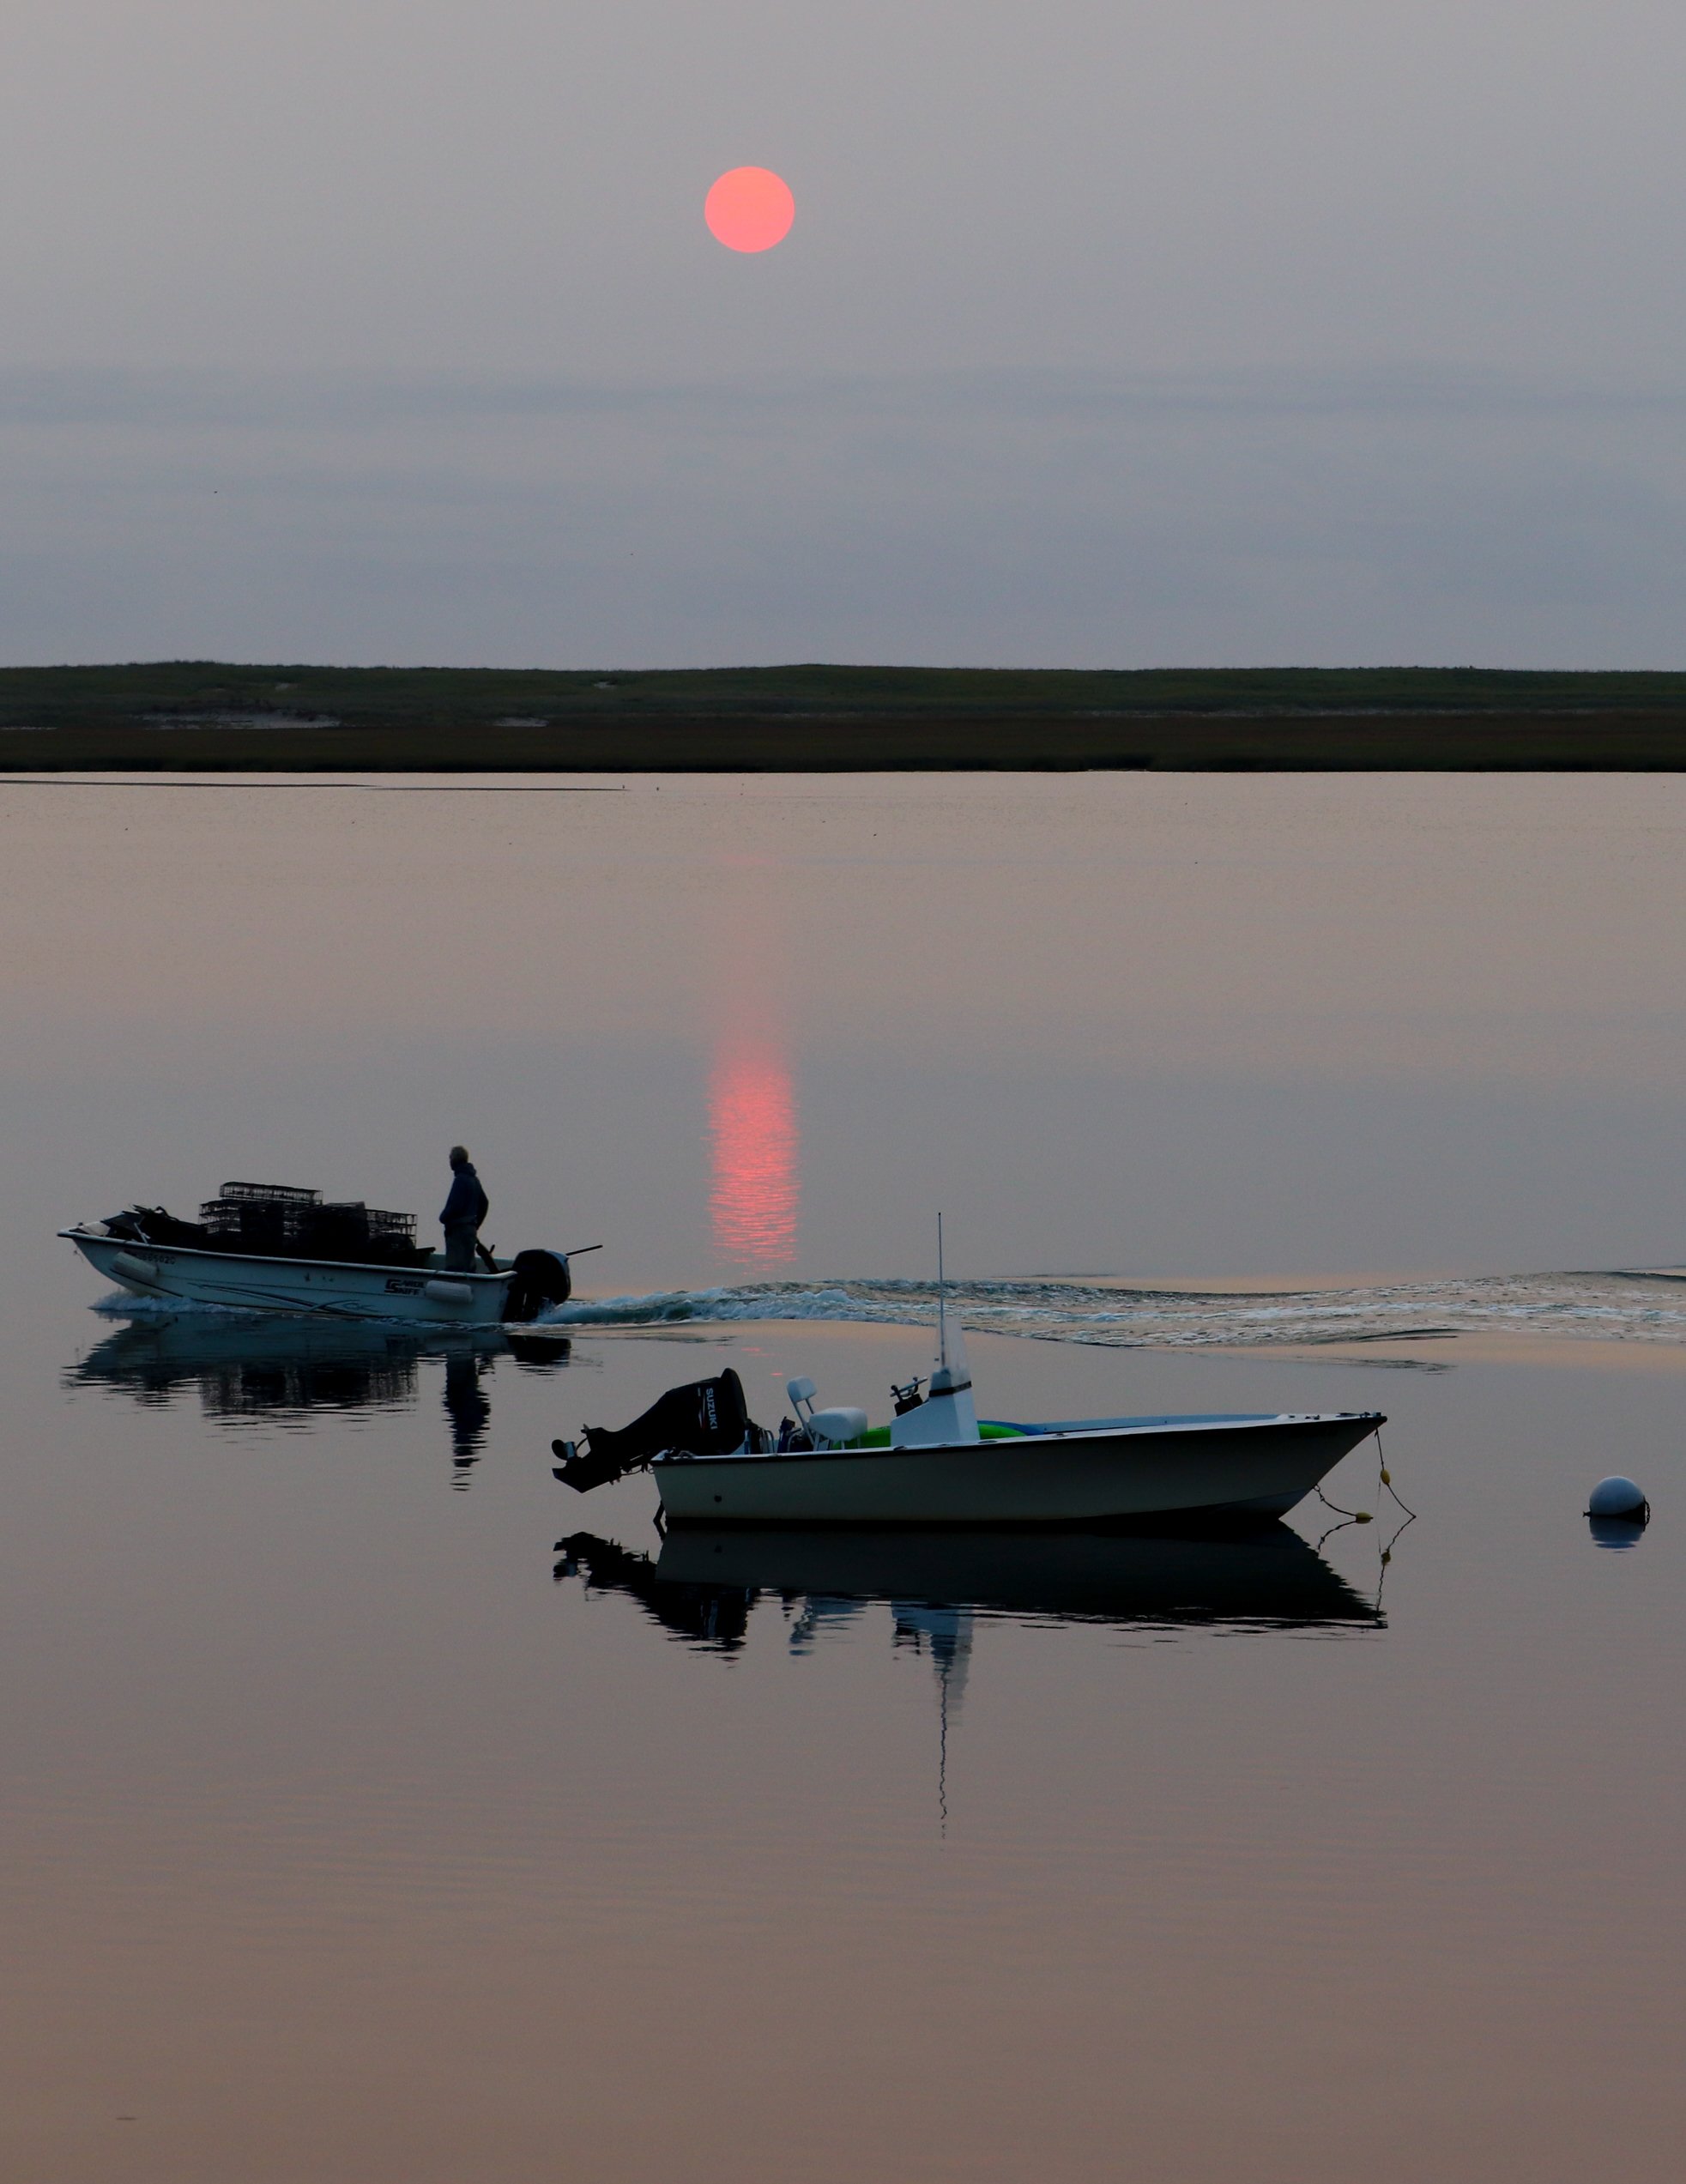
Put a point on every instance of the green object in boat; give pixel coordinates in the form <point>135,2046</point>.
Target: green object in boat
<point>877,1436</point>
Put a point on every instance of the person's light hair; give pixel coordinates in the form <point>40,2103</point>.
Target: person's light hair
<point>459,1156</point>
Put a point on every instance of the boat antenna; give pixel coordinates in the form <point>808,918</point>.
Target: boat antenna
<point>942,1299</point>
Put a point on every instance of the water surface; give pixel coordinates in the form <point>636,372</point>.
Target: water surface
<point>376,1809</point>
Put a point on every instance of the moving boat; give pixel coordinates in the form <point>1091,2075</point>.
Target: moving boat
<point>936,1463</point>
<point>271,1247</point>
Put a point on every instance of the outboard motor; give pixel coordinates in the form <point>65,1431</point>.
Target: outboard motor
<point>541,1279</point>
<point>708,1418</point>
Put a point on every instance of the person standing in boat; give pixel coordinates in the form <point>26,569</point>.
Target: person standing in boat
<point>463,1212</point>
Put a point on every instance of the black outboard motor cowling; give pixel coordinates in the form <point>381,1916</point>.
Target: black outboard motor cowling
<point>541,1279</point>
<point>708,1418</point>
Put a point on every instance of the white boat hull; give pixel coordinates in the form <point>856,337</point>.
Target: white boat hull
<point>1121,1472</point>
<point>322,1288</point>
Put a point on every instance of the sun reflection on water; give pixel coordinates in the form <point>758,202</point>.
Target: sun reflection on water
<point>753,1120</point>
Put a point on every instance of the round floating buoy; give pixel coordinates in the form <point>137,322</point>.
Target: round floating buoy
<point>1618,1496</point>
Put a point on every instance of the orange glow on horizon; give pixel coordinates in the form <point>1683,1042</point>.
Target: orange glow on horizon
<point>750,209</point>
<point>752,1119</point>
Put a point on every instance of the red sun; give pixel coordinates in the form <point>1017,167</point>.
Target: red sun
<point>750,209</point>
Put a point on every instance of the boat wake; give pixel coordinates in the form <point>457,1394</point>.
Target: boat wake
<point>1611,1306</point>
<point>123,1305</point>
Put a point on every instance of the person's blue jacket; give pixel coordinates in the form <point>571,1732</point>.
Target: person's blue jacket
<point>466,1201</point>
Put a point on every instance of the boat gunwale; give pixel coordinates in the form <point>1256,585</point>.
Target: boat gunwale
<point>1369,1420</point>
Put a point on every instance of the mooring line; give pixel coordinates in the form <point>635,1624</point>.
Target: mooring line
<point>1385,1478</point>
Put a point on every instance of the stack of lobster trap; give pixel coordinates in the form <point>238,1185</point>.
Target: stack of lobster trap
<point>274,1218</point>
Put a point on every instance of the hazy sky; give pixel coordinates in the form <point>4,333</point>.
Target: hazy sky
<point>1106,333</point>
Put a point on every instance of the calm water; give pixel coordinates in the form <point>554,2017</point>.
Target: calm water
<point>377,1810</point>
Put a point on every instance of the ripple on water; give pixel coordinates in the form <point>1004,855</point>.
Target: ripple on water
<point>1615,1306</point>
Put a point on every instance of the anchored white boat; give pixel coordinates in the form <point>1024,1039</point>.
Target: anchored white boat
<point>265,1249</point>
<point>1103,1470</point>
<point>935,1464</point>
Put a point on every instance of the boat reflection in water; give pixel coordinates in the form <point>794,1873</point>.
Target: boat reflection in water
<point>703,1584</point>
<point>286,1372</point>
<point>939,1586</point>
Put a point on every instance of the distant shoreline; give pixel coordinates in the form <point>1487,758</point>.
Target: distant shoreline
<point>208,716</point>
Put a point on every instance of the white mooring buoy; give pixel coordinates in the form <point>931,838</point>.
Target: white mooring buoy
<point>1618,1496</point>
